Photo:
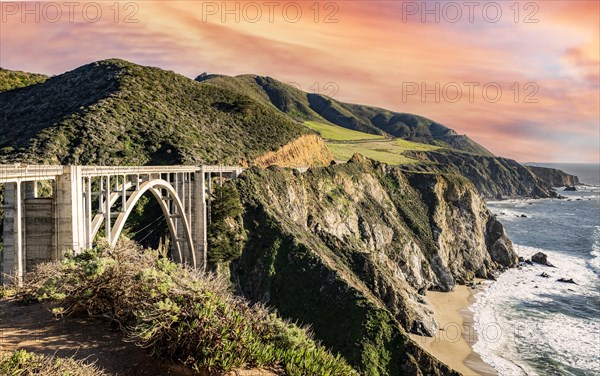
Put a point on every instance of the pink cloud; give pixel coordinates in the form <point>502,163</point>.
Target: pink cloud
<point>369,53</point>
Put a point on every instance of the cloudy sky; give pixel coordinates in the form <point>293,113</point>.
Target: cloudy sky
<point>522,78</point>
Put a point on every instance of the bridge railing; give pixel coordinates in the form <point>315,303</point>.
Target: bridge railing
<point>19,172</point>
<point>23,172</point>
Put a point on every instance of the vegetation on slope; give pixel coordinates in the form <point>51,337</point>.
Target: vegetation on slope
<point>10,80</point>
<point>115,112</point>
<point>319,108</point>
<point>22,363</point>
<point>337,133</point>
<point>178,313</point>
<point>385,151</point>
<point>225,235</point>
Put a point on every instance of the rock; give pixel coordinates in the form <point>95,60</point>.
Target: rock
<point>545,275</point>
<point>521,259</point>
<point>528,262</point>
<point>565,280</point>
<point>499,246</point>
<point>422,291</point>
<point>541,258</point>
<point>523,216</point>
<point>570,188</point>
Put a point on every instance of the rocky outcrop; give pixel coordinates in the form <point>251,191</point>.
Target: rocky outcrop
<point>494,178</point>
<point>541,258</point>
<point>347,248</point>
<point>305,151</point>
<point>555,178</point>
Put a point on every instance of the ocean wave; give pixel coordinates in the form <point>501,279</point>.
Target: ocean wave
<point>529,325</point>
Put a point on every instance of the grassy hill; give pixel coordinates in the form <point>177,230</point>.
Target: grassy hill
<point>344,143</point>
<point>116,112</point>
<point>376,121</point>
<point>10,80</point>
<point>337,133</point>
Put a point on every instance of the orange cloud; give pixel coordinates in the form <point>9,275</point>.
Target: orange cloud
<point>370,50</point>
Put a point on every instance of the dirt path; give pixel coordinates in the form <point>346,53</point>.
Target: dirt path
<point>34,328</point>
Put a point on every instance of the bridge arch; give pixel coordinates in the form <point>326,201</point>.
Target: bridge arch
<point>156,187</point>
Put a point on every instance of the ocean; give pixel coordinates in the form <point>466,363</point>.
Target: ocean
<point>531,325</point>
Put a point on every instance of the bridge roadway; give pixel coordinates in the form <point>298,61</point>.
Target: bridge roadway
<point>88,199</point>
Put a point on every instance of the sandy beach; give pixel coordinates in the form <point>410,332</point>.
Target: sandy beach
<point>453,343</point>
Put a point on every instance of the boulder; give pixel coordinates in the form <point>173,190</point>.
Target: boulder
<point>541,258</point>
<point>570,188</point>
<point>565,280</point>
<point>545,275</point>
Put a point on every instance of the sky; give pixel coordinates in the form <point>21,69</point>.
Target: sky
<point>520,77</point>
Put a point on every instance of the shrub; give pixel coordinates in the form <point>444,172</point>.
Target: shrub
<point>23,363</point>
<point>179,313</point>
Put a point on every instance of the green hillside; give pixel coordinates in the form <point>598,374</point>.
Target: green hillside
<point>337,133</point>
<point>314,107</point>
<point>116,112</point>
<point>10,80</point>
<point>344,143</point>
<point>386,151</point>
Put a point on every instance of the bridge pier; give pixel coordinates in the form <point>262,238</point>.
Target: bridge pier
<point>199,215</point>
<point>12,252</point>
<point>69,212</point>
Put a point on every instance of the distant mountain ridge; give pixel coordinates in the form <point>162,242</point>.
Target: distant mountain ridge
<point>304,106</point>
<point>116,112</point>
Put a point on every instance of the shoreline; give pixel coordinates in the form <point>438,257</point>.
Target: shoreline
<point>453,345</point>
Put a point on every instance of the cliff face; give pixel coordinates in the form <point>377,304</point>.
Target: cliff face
<point>494,178</point>
<point>553,177</point>
<point>308,150</point>
<point>346,249</point>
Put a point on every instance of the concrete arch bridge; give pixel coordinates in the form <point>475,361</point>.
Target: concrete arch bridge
<point>86,199</point>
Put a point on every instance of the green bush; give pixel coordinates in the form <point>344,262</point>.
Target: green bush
<point>23,363</point>
<point>179,313</point>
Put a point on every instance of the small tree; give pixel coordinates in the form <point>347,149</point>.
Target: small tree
<point>225,233</point>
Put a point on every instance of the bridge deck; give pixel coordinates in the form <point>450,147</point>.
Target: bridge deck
<point>18,172</point>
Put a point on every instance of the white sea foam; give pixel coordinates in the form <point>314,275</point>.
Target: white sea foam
<point>595,261</point>
<point>510,334</point>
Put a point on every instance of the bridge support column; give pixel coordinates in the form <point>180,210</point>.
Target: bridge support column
<point>199,220</point>
<point>13,258</point>
<point>69,211</point>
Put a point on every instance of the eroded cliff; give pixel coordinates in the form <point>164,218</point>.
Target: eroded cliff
<point>494,177</point>
<point>348,248</point>
<point>553,177</point>
<point>305,151</point>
